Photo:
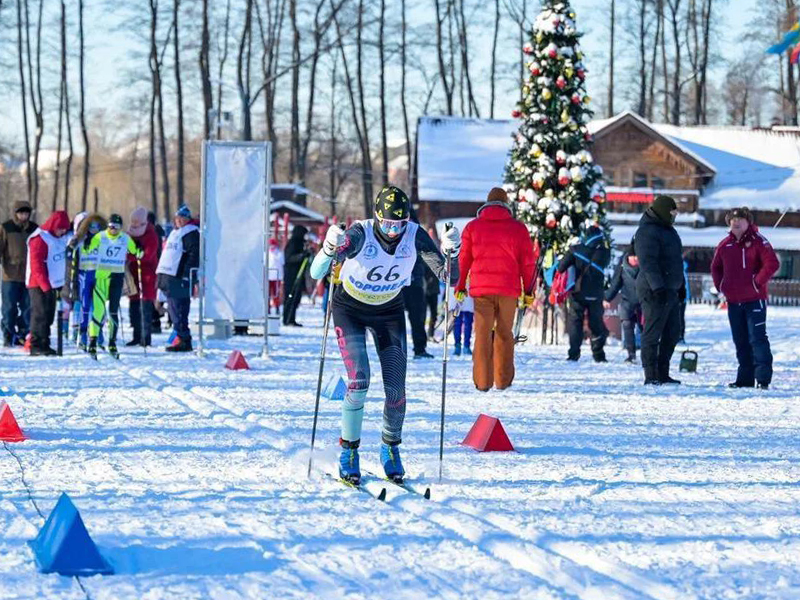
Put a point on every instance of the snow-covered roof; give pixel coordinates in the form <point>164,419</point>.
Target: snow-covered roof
<point>298,189</point>
<point>758,168</point>
<point>461,159</point>
<point>781,238</point>
<point>293,206</point>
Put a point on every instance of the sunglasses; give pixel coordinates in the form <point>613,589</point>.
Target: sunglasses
<point>114,226</point>
<point>390,226</point>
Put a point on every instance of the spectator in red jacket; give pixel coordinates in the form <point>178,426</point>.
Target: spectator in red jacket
<point>497,256</point>
<point>45,274</point>
<point>140,309</point>
<point>743,264</point>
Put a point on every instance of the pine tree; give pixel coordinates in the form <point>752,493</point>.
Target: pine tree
<point>551,173</point>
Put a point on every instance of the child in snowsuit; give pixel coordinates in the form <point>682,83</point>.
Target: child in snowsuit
<point>377,257</point>
<point>112,246</point>
<point>630,311</point>
<point>84,265</point>
<point>463,323</point>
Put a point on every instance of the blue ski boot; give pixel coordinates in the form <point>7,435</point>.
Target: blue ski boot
<point>392,466</point>
<point>457,350</point>
<point>349,470</point>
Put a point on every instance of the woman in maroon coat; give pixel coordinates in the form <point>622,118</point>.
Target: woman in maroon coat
<point>743,264</point>
<point>145,236</point>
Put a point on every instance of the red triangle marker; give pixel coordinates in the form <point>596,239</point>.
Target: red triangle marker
<point>236,361</point>
<point>488,435</point>
<point>9,428</point>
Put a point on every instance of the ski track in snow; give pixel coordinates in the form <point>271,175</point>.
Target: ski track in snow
<point>192,478</point>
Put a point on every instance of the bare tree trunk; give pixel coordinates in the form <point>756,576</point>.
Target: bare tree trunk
<point>365,156</point>
<point>65,84</point>
<point>270,61</point>
<point>23,93</point>
<point>461,22</point>
<point>332,162</point>
<point>659,32</point>
<point>612,36</point>
<point>674,7</point>
<point>222,60</point>
<point>641,106</point>
<point>155,70</point>
<point>362,100</point>
<point>664,72</point>
<point>178,98</point>
<point>294,141</point>
<point>152,154</point>
<point>700,99</point>
<point>403,102</point>
<point>205,74</point>
<point>382,63</point>
<point>448,90</point>
<point>84,132</point>
<point>494,58</point>
<point>63,52</point>
<point>36,96</point>
<point>243,72</point>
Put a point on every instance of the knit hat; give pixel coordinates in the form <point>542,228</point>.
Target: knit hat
<point>739,213</point>
<point>184,211</point>
<point>115,219</point>
<point>496,197</point>
<point>138,222</point>
<point>497,194</point>
<point>392,204</point>
<point>662,206</point>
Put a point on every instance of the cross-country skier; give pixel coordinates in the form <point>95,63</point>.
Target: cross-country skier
<point>113,246</point>
<point>376,257</point>
<point>83,273</point>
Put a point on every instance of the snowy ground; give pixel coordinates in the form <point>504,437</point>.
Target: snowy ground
<point>192,478</point>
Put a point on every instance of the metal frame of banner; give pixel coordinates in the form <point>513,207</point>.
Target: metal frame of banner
<point>265,235</point>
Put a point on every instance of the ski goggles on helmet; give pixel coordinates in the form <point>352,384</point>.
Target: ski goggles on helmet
<point>115,226</point>
<point>391,227</point>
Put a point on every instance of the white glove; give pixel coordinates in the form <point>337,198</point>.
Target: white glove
<point>451,242</point>
<point>333,239</point>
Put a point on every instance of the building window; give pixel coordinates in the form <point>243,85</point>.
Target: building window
<point>640,180</point>
<point>657,182</point>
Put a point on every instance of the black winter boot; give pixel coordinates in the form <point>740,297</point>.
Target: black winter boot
<point>651,375</point>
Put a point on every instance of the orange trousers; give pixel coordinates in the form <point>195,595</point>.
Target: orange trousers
<point>493,355</point>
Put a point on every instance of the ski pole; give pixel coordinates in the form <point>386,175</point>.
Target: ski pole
<point>447,227</point>
<point>322,363</point>
<point>143,337</point>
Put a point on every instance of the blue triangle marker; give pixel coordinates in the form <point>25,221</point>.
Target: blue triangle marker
<point>63,545</point>
<point>335,388</point>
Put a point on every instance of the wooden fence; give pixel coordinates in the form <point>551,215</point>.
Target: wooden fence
<point>782,292</point>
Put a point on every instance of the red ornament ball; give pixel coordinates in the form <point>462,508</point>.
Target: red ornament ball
<point>576,99</point>
<point>516,114</point>
<point>561,83</point>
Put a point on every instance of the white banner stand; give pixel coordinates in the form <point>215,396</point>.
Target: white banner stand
<point>234,235</point>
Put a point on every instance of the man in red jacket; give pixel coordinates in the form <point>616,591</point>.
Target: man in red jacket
<point>743,264</point>
<point>497,257</point>
<point>140,308</point>
<point>45,273</point>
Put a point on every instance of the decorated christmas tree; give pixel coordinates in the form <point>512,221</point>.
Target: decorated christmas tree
<point>551,173</point>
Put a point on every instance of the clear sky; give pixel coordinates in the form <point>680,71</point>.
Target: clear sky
<point>108,54</point>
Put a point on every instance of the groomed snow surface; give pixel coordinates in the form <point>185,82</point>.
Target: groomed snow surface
<point>192,479</point>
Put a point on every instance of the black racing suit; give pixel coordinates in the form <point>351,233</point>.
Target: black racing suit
<point>352,319</point>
